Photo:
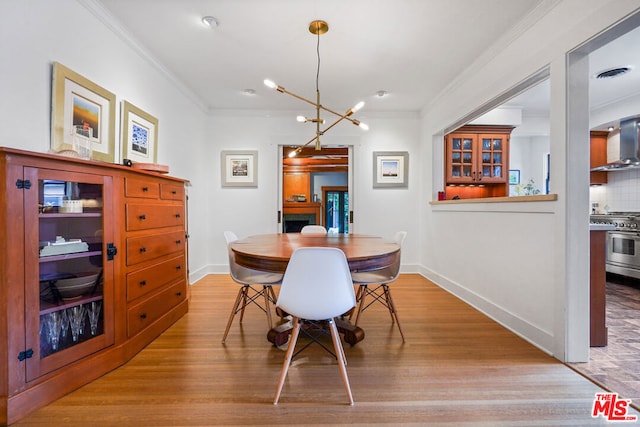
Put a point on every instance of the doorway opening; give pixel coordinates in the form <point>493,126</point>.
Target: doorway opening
<point>336,208</point>
<point>305,177</point>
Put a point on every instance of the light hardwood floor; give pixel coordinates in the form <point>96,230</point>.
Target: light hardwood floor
<point>457,368</point>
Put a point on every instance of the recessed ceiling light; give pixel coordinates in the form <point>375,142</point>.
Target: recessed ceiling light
<point>249,92</point>
<point>382,93</point>
<point>209,21</point>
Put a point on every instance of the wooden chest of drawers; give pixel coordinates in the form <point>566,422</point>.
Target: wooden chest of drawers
<point>155,250</point>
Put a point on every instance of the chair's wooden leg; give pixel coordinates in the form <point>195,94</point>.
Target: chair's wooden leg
<point>267,306</point>
<point>392,309</point>
<point>287,358</point>
<point>363,296</point>
<point>233,313</point>
<point>358,296</point>
<point>341,359</point>
<point>245,294</point>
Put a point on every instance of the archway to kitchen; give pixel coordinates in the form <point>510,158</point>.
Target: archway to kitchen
<point>315,188</point>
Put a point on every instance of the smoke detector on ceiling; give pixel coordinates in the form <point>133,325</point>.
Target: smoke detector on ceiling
<point>612,72</point>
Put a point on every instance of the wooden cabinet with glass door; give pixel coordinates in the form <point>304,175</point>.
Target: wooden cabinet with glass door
<point>63,296</point>
<point>478,157</point>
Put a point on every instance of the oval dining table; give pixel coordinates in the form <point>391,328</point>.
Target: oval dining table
<point>271,252</point>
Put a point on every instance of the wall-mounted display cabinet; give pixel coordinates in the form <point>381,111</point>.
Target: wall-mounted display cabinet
<point>93,269</point>
<point>478,156</point>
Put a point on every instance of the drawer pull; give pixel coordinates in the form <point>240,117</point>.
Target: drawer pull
<point>174,192</point>
<point>178,294</point>
<point>143,250</point>
<point>145,189</point>
<point>142,217</point>
<point>178,241</point>
<point>178,267</point>
<point>177,215</point>
<point>143,316</point>
<point>143,282</point>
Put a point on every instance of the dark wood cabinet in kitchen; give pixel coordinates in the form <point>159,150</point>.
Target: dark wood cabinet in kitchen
<point>478,156</point>
<point>598,150</point>
<point>94,268</point>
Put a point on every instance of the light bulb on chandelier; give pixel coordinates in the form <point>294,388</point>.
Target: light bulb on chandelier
<point>318,27</point>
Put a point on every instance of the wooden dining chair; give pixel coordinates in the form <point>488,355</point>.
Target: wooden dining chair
<point>311,292</point>
<point>313,229</point>
<point>375,286</point>
<point>254,285</point>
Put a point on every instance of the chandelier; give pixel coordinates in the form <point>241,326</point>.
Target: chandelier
<point>317,28</point>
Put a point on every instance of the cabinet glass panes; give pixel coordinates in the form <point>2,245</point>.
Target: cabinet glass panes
<point>461,157</point>
<point>70,273</point>
<point>491,157</point>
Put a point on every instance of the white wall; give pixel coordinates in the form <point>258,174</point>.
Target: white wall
<point>35,33</point>
<point>528,155</point>
<point>248,211</point>
<point>521,263</point>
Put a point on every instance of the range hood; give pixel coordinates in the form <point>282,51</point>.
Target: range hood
<point>628,154</point>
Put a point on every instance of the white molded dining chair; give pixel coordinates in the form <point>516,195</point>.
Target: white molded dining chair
<point>380,291</point>
<point>248,294</point>
<point>313,291</point>
<point>313,229</point>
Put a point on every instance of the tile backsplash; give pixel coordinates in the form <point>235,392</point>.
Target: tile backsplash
<point>620,194</point>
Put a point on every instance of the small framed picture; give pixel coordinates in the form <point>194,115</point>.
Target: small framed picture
<point>514,176</point>
<point>139,135</point>
<point>81,107</point>
<point>390,169</point>
<point>239,168</point>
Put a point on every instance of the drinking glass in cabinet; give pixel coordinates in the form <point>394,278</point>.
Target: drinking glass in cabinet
<point>497,144</point>
<point>94,316</point>
<point>76,319</point>
<point>486,144</point>
<point>455,157</point>
<point>456,143</point>
<point>497,158</point>
<point>467,144</point>
<point>497,171</point>
<point>486,157</point>
<point>466,158</point>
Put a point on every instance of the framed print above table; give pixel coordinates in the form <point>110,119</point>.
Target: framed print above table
<point>139,135</point>
<point>390,169</point>
<point>78,103</point>
<point>239,168</point>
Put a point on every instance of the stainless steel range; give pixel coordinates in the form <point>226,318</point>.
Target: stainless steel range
<point>623,243</point>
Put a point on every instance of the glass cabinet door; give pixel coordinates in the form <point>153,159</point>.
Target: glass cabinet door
<point>69,273</point>
<point>461,159</point>
<point>492,158</point>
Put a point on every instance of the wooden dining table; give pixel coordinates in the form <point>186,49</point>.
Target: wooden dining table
<point>271,252</point>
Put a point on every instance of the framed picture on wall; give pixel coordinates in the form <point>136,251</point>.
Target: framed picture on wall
<point>79,106</point>
<point>514,176</point>
<point>139,134</point>
<point>390,169</point>
<point>239,168</point>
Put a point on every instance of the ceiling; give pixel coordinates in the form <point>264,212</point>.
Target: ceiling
<point>412,49</point>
